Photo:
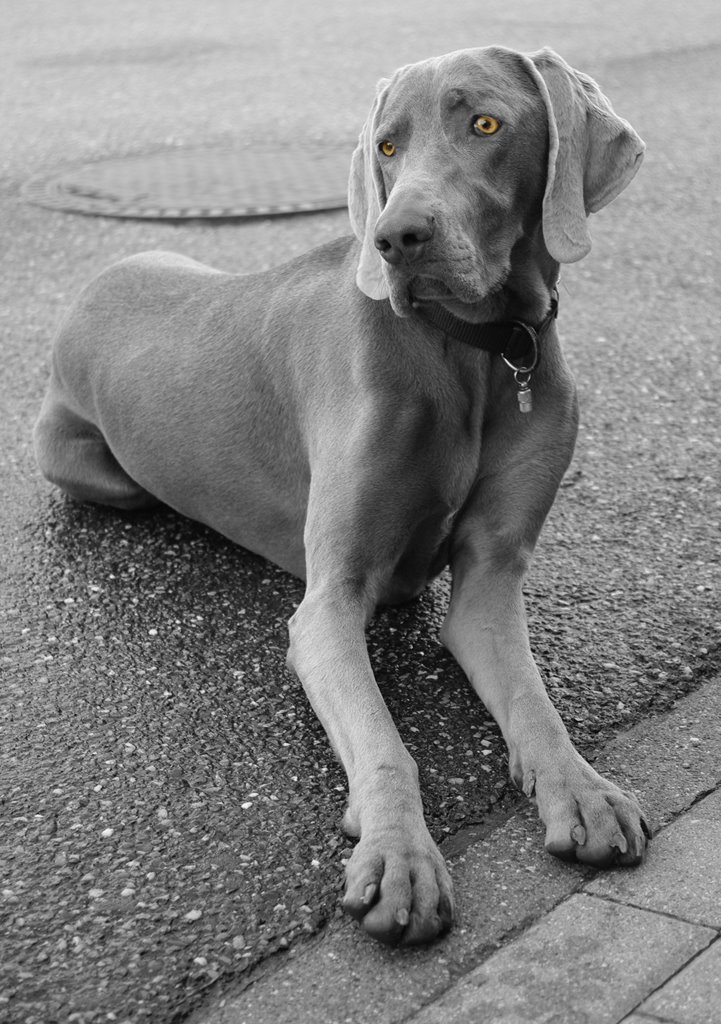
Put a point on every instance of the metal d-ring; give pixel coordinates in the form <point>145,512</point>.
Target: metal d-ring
<point>519,325</point>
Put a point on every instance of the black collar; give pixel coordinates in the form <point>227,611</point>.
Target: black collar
<point>512,339</point>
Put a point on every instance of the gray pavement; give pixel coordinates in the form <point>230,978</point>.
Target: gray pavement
<point>541,942</point>
<point>169,808</point>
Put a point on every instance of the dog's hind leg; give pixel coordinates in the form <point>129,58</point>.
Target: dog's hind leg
<point>73,455</point>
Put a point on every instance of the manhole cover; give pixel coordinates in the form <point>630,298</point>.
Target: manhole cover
<point>258,180</point>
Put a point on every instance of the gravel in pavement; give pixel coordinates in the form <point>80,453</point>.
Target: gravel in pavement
<point>170,806</point>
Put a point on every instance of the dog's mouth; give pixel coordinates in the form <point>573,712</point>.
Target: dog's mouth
<point>465,290</point>
<point>465,293</point>
<point>429,289</point>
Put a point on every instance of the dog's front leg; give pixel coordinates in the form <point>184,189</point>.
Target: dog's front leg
<point>397,882</point>
<point>586,816</point>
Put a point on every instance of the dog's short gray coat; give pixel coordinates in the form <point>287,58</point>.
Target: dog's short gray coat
<point>310,414</point>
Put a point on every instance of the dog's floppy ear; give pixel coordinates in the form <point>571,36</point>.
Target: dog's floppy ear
<point>593,154</point>
<point>366,199</point>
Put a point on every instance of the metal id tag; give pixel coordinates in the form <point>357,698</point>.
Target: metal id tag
<point>525,399</point>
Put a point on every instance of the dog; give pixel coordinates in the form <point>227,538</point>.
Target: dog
<point>371,412</point>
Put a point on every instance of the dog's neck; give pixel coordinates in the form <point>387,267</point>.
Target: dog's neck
<point>523,307</point>
<point>527,295</point>
<point>510,337</point>
<point>524,294</point>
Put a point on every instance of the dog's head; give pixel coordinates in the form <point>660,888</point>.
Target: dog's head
<point>462,156</point>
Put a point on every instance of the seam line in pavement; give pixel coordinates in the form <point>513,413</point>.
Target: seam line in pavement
<point>696,800</point>
<point>489,949</point>
<point>606,898</point>
<point>642,1015</point>
<point>514,934</point>
<point>681,796</point>
<point>659,988</point>
<point>520,930</point>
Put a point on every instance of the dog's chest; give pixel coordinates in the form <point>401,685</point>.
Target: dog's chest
<point>424,557</point>
<point>426,540</point>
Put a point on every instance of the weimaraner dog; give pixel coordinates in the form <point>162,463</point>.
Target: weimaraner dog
<point>386,405</point>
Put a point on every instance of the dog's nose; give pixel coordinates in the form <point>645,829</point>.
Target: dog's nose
<point>403,236</point>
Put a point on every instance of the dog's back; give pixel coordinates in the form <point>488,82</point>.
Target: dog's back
<point>171,381</point>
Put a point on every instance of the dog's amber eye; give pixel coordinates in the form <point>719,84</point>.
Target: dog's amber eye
<point>387,148</point>
<point>484,124</point>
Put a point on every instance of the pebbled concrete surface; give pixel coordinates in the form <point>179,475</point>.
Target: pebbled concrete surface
<point>506,885</point>
<point>169,806</point>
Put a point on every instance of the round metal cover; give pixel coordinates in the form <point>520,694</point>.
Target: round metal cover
<point>252,181</point>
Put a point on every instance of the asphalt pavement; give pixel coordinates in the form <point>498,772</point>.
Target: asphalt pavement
<point>540,942</point>
<point>170,807</point>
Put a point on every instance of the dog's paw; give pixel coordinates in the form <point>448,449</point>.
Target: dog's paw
<point>398,887</point>
<point>588,818</point>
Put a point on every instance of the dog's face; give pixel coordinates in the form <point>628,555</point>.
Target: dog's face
<point>461,146</point>
<point>463,156</point>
